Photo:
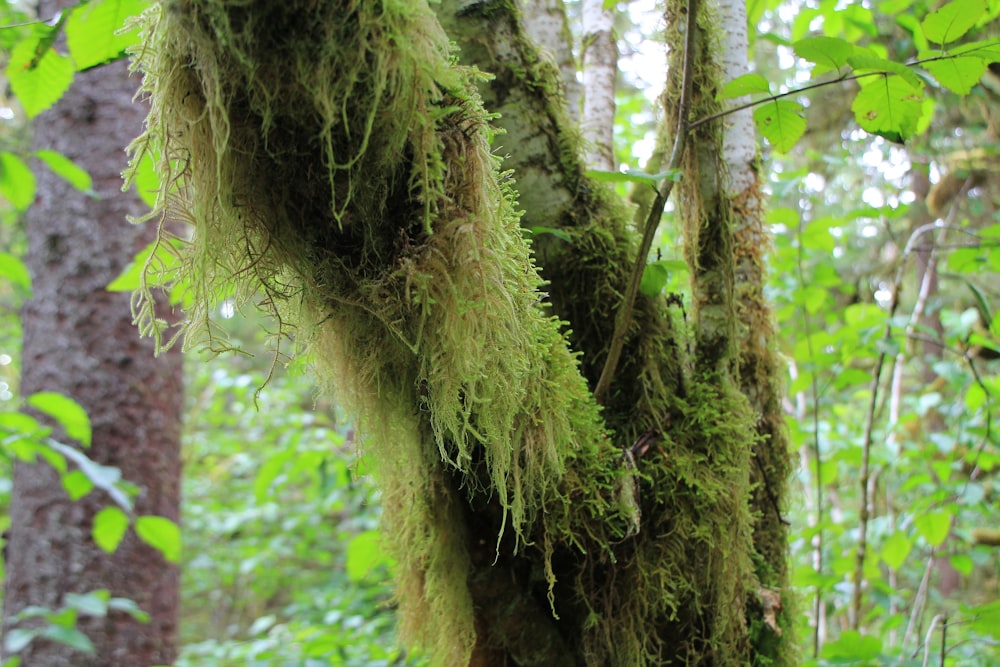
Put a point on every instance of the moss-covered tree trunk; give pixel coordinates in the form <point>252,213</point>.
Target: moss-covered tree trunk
<point>79,341</point>
<point>332,158</point>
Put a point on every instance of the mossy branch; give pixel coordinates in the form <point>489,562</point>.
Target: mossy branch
<point>336,169</point>
<point>624,317</point>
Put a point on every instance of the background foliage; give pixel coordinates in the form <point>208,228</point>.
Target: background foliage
<point>893,376</point>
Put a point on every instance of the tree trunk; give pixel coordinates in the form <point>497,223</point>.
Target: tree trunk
<point>769,605</point>
<point>546,24</point>
<point>79,341</point>
<point>600,67</point>
<point>405,274</point>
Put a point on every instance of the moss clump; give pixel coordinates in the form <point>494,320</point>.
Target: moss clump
<point>334,165</point>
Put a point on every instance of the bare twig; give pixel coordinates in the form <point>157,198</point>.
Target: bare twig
<point>919,600</point>
<point>927,638</point>
<point>817,456</point>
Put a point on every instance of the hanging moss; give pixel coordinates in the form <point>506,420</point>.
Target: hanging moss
<point>334,165</point>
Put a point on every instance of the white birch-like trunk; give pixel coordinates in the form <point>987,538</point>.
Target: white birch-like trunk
<point>600,65</point>
<point>545,22</point>
<point>759,365</point>
<point>739,145</point>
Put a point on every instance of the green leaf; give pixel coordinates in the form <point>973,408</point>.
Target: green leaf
<point>70,637</point>
<point>15,272</point>
<point>94,603</point>
<point>895,550</point>
<point>145,180</point>
<point>37,88</point>
<point>32,611</point>
<point>854,646</point>
<point>362,555</point>
<point>781,215</point>
<point>958,74</point>
<point>106,478</point>
<point>261,625</point>
<point>129,607</point>
<point>802,23</point>
<point>558,233</point>
<point>856,16</point>
<point>985,617</point>
<point>934,526</point>
<point>863,64</point>
<point>962,563</point>
<point>632,176</point>
<point>109,528</point>
<point>20,433</point>
<point>162,534</point>
<point>654,279</point>
<point>828,472</point>
<point>70,414</point>
<point>18,638</point>
<point>864,316</point>
<point>269,471</point>
<point>982,303</point>
<point>748,84</point>
<point>975,397</point>
<point>852,377</point>
<point>827,53</point>
<point>94,31</point>
<point>68,170</point>
<point>17,183</point>
<point>164,261</point>
<point>77,484</point>
<point>656,274</point>
<point>64,617</point>
<point>953,20</point>
<point>987,49</point>
<point>911,24</point>
<point>817,236</point>
<point>781,123</point>
<point>889,107</point>
<point>893,7</point>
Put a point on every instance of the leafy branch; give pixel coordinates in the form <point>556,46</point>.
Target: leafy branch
<point>894,110</point>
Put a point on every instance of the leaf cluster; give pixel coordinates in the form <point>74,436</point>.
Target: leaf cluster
<point>891,100</point>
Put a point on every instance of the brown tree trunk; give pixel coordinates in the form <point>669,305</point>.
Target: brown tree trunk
<point>79,341</point>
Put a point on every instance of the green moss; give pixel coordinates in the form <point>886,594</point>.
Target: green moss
<point>335,166</point>
<point>682,580</point>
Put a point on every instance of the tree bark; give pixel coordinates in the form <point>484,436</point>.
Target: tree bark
<point>600,67</point>
<point>401,288</point>
<point>79,341</point>
<point>546,24</point>
<point>489,40</point>
<point>759,366</point>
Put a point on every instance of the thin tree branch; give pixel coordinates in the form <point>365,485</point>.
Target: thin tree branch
<point>818,462</point>
<point>919,600</point>
<point>930,632</point>
<point>624,317</point>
